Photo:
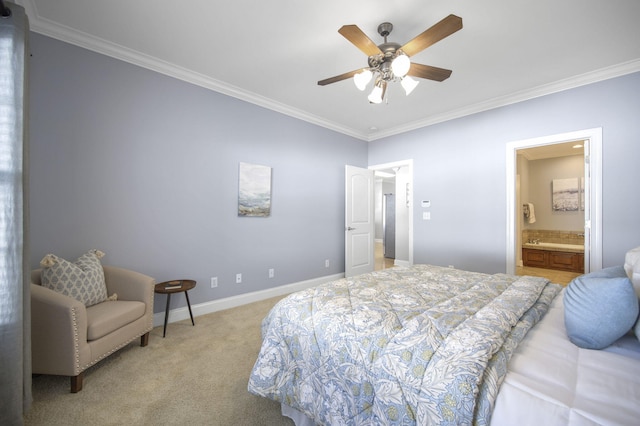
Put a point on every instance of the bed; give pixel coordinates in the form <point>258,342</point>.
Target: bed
<point>432,345</point>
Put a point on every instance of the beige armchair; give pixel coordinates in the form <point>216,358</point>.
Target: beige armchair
<point>67,337</point>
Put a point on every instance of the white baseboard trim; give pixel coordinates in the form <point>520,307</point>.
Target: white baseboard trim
<point>397,262</point>
<point>182,313</point>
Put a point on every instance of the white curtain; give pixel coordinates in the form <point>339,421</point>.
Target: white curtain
<point>15,315</point>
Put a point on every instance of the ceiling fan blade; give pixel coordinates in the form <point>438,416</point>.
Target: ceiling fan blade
<point>429,72</point>
<point>359,39</point>
<point>339,77</point>
<point>437,32</point>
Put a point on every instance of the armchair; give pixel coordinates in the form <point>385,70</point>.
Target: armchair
<point>67,337</point>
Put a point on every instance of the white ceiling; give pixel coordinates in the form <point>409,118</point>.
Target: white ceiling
<point>272,53</point>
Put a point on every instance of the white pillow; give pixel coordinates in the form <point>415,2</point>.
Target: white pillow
<point>632,268</point>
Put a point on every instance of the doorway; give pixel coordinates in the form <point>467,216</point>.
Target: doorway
<point>592,188</point>
<point>385,219</point>
<point>398,179</point>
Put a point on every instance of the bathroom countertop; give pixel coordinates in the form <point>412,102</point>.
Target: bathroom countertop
<point>569,248</point>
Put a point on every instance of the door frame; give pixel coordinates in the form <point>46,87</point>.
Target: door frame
<point>593,192</point>
<point>409,194</point>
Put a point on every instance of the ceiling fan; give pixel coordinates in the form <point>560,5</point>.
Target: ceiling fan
<point>390,61</point>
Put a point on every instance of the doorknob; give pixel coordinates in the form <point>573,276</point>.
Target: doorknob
<point>350,228</point>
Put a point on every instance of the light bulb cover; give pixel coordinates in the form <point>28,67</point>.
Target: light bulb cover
<point>377,94</point>
<point>400,65</point>
<point>375,97</point>
<point>408,84</point>
<point>361,79</point>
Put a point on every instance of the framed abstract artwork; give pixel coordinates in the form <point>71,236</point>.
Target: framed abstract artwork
<point>565,195</point>
<point>254,190</point>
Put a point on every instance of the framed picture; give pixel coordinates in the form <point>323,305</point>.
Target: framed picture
<point>254,190</point>
<point>565,195</point>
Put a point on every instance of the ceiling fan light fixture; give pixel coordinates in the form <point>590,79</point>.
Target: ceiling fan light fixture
<point>400,65</point>
<point>408,84</point>
<point>361,79</point>
<point>377,94</point>
<point>390,62</point>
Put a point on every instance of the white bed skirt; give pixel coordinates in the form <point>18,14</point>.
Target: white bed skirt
<point>298,418</point>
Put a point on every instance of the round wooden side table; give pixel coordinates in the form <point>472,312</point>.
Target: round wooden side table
<point>175,286</point>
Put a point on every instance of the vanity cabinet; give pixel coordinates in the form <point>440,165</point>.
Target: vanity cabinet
<point>548,259</point>
<point>535,258</point>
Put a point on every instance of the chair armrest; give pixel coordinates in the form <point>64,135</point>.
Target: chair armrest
<point>58,332</point>
<point>129,285</point>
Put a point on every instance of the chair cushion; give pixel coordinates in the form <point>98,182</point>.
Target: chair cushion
<point>83,279</point>
<point>106,317</point>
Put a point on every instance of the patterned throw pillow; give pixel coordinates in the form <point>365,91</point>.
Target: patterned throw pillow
<point>83,279</point>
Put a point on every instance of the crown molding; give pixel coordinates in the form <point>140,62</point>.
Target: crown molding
<point>524,95</point>
<point>75,37</point>
<point>98,45</point>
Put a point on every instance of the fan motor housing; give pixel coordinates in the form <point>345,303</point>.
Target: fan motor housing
<point>385,29</point>
<point>383,61</point>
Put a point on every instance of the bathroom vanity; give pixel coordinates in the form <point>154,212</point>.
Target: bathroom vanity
<point>561,257</point>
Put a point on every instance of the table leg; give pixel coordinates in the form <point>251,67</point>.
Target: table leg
<point>186,293</point>
<point>166,315</point>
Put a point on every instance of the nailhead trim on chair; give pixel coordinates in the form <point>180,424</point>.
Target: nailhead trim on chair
<point>76,345</point>
<point>151,308</point>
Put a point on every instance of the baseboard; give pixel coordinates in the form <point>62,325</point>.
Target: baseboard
<point>179,314</point>
<point>397,262</point>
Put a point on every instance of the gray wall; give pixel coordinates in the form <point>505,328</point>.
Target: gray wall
<point>460,166</point>
<point>540,176</point>
<point>145,168</point>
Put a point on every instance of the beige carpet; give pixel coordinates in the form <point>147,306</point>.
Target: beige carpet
<point>194,376</point>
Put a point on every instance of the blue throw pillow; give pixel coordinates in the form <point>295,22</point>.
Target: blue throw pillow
<point>599,308</point>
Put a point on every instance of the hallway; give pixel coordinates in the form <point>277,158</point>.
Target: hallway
<point>381,262</point>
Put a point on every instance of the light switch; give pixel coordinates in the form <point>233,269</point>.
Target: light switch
<point>426,215</point>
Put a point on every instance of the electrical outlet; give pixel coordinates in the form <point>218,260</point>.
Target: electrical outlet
<point>326,263</point>
<point>272,273</point>
<point>214,282</point>
<point>238,278</point>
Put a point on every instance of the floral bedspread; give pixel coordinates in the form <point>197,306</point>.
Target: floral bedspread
<point>403,346</point>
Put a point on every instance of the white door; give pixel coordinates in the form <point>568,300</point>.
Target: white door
<point>359,218</point>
